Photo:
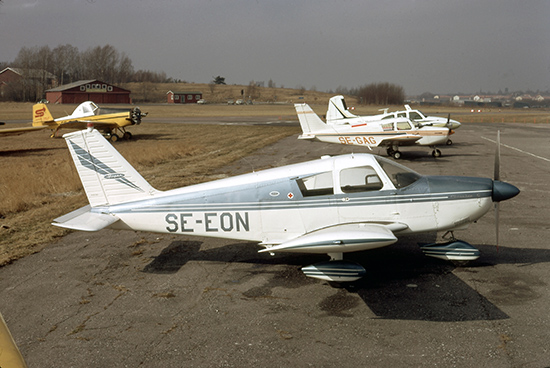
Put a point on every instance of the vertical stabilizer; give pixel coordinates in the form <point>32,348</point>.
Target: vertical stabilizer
<point>337,110</point>
<point>106,176</point>
<point>41,115</point>
<point>309,120</point>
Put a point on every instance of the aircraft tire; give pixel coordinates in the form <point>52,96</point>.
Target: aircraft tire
<point>114,138</point>
<point>127,135</point>
<point>449,142</point>
<point>396,155</point>
<point>436,153</point>
<point>390,151</point>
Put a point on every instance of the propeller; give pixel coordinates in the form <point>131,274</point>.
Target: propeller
<point>448,125</point>
<point>496,176</point>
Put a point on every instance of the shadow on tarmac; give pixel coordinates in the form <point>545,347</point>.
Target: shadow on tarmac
<point>400,283</point>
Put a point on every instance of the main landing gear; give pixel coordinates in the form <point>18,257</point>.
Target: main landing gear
<point>113,136</point>
<point>394,152</point>
<point>436,152</point>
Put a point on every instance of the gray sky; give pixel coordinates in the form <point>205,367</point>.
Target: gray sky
<point>438,46</point>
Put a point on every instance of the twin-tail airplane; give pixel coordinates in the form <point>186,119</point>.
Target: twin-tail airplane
<point>332,205</point>
<point>343,127</point>
<point>110,121</point>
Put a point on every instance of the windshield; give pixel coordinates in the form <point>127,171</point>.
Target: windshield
<point>400,175</point>
<point>413,115</point>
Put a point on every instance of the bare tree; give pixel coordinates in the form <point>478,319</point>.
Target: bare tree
<point>66,61</point>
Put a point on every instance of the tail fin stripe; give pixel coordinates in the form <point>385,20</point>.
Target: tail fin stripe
<point>107,177</point>
<point>90,162</point>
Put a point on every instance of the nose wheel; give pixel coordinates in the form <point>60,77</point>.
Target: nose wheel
<point>436,153</point>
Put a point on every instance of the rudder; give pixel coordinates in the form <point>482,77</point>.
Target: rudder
<point>309,120</point>
<point>41,115</point>
<point>106,176</point>
<point>337,110</point>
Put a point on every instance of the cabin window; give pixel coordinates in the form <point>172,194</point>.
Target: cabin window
<point>315,185</point>
<point>359,179</point>
<point>403,125</point>
<point>387,117</point>
<point>387,127</point>
<point>402,115</point>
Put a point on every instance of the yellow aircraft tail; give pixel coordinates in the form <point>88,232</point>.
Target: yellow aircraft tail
<point>41,115</point>
<point>10,357</point>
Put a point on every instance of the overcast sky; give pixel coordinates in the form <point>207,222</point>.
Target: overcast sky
<point>423,45</point>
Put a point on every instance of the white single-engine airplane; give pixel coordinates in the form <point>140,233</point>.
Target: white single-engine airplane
<point>338,113</point>
<point>332,205</point>
<point>355,130</point>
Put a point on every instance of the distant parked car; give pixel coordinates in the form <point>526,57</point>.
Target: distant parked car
<point>230,102</point>
<point>201,101</point>
<point>239,102</point>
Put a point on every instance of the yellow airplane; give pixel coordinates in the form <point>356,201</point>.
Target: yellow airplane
<point>109,121</point>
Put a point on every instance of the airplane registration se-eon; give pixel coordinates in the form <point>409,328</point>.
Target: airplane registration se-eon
<point>332,205</point>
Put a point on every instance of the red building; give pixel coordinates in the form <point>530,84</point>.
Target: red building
<point>88,90</point>
<point>22,84</point>
<point>183,97</point>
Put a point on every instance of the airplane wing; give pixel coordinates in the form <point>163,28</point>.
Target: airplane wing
<point>16,131</point>
<point>400,139</point>
<point>341,238</point>
<point>83,124</point>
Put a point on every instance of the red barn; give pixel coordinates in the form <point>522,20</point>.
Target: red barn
<point>183,97</point>
<point>88,90</point>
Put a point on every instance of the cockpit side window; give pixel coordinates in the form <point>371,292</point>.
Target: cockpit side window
<point>315,185</point>
<point>402,115</point>
<point>359,179</point>
<point>400,175</point>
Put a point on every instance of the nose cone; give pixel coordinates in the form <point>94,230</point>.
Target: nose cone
<point>503,191</point>
<point>455,124</point>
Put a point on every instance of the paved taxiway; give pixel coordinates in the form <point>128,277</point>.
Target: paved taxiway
<point>125,299</point>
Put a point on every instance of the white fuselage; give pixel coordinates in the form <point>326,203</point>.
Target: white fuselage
<point>271,208</point>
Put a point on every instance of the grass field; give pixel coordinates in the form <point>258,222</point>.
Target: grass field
<point>38,181</point>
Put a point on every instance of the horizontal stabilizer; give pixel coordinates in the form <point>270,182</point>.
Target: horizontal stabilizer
<point>84,220</point>
<point>338,239</point>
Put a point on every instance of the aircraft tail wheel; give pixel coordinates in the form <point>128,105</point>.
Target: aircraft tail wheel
<point>436,153</point>
<point>114,137</point>
<point>396,155</point>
